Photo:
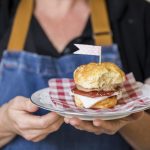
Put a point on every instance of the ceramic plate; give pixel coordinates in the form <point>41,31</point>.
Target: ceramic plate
<point>42,99</point>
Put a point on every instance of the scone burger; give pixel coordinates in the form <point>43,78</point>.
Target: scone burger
<point>98,85</point>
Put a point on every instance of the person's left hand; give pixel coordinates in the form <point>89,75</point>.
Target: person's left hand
<point>100,126</point>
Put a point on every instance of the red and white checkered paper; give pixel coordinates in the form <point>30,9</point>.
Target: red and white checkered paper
<point>132,96</point>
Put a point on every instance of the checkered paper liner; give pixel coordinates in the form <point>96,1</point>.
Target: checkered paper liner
<point>132,97</point>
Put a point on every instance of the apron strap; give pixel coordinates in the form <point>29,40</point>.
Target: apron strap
<point>20,26</point>
<point>100,22</point>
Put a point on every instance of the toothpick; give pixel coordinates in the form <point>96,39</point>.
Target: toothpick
<point>100,56</point>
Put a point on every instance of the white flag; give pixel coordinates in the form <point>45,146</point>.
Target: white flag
<point>88,50</point>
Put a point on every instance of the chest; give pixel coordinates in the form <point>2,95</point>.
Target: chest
<point>60,31</point>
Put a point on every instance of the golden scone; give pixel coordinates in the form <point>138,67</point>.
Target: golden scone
<point>102,76</point>
<point>97,85</point>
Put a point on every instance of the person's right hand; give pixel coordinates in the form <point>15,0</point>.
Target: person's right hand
<point>18,119</point>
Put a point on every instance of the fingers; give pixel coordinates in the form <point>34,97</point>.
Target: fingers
<point>52,128</point>
<point>39,134</point>
<point>39,138</point>
<point>20,110</point>
<point>112,126</point>
<point>35,128</point>
<point>83,125</point>
<point>100,126</point>
<point>109,127</point>
<point>37,122</point>
<point>21,121</point>
<point>30,107</point>
<point>47,120</point>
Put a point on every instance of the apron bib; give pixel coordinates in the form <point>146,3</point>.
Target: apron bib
<point>22,73</point>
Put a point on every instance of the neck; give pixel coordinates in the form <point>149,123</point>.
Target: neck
<point>57,8</point>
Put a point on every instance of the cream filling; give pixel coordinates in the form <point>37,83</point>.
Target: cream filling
<point>88,102</point>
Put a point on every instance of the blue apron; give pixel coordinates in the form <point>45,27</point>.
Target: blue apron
<point>22,73</point>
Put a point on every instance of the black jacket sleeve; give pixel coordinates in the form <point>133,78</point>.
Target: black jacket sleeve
<point>147,37</point>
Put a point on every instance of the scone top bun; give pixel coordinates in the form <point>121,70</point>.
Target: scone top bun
<point>103,76</point>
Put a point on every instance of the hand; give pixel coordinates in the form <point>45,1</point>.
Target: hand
<point>18,119</point>
<point>100,126</point>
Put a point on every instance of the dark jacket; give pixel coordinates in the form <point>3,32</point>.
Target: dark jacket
<point>130,22</point>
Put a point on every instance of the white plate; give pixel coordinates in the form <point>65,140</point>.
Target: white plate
<point>42,99</point>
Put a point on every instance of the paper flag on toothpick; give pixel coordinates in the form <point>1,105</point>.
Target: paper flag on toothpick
<point>88,50</point>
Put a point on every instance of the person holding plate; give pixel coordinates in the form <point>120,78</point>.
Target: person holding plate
<point>47,30</point>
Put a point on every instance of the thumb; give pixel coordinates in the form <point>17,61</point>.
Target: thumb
<point>24,104</point>
<point>31,107</point>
